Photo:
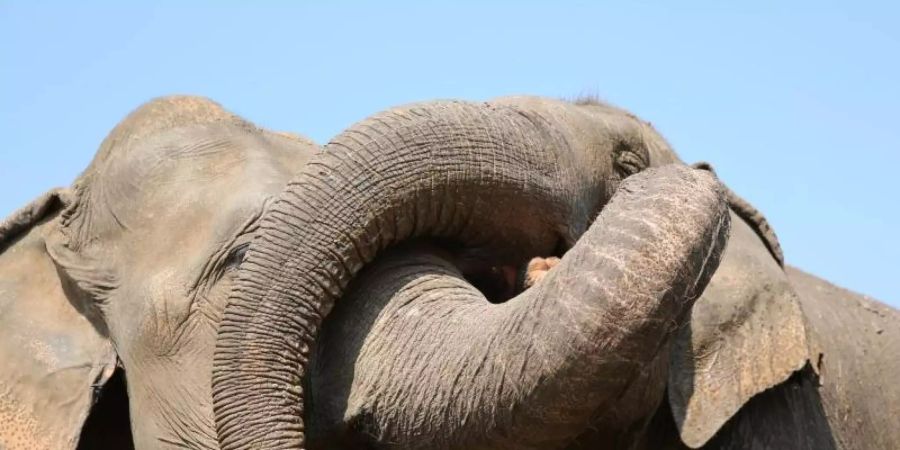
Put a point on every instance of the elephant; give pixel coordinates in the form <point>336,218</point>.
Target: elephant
<point>118,282</point>
<point>352,323</point>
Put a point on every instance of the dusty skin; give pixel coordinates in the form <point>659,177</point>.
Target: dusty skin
<point>522,273</point>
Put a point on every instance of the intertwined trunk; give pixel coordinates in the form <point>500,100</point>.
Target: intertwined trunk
<point>481,176</point>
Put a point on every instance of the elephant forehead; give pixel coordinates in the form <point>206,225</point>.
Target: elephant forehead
<point>195,171</point>
<point>162,114</point>
<point>593,124</point>
<point>201,152</point>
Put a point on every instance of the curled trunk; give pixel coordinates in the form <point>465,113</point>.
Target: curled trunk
<point>481,176</point>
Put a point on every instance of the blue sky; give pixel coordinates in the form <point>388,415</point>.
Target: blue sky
<point>795,104</point>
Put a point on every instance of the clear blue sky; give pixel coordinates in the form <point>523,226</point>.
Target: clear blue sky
<point>795,103</point>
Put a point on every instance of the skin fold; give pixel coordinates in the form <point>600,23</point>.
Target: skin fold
<point>130,269</point>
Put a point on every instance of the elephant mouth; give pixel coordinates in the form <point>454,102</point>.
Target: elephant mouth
<point>498,274</point>
<point>498,284</point>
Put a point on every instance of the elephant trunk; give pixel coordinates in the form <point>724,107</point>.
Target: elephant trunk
<point>485,177</point>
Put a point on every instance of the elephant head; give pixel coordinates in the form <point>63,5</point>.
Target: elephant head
<point>131,268</point>
<point>415,356</point>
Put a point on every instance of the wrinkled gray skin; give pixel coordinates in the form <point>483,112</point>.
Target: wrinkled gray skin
<point>407,357</point>
<point>604,352</point>
<point>131,268</point>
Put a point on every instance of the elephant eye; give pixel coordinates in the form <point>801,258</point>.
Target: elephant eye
<point>236,256</point>
<point>628,161</point>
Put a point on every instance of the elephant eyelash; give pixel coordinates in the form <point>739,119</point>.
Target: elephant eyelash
<point>235,257</point>
<point>233,253</point>
<point>629,162</point>
<point>229,256</point>
<point>226,260</point>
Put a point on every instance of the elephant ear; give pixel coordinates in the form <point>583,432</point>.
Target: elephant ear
<point>53,359</point>
<point>746,332</point>
<point>27,217</point>
<point>749,214</point>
